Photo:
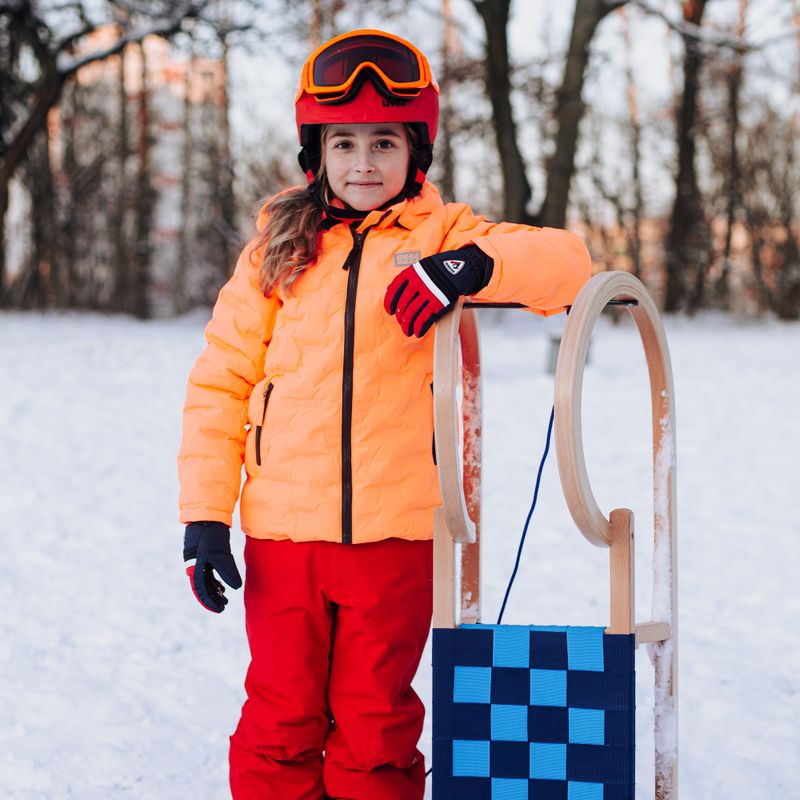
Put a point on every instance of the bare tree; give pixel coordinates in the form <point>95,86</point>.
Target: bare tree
<point>733,188</point>
<point>226,221</point>
<point>688,245</point>
<point>46,36</point>
<point>122,259</point>
<point>136,301</point>
<point>516,188</point>
<point>770,176</point>
<point>570,108</point>
<point>180,298</point>
<point>568,112</point>
<point>446,112</point>
<point>634,227</point>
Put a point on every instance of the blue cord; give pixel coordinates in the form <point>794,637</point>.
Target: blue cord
<point>530,514</point>
<point>525,529</point>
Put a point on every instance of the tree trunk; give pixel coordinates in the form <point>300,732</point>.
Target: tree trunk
<point>570,108</point>
<point>788,294</point>
<point>180,296</point>
<point>734,172</point>
<point>71,230</point>
<point>138,300</point>
<point>3,288</point>
<point>733,179</point>
<point>516,189</point>
<point>228,231</point>
<point>122,260</point>
<point>688,240</point>
<point>637,210</point>
<point>35,285</point>
<point>315,25</point>
<point>445,148</point>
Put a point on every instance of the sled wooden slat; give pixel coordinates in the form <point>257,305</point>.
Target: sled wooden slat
<point>444,611</point>
<point>610,531</point>
<point>622,572</point>
<point>458,519</point>
<point>652,632</point>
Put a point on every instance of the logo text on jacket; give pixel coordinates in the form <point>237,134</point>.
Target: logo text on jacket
<point>407,258</point>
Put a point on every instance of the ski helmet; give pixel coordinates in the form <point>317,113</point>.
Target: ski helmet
<point>367,76</point>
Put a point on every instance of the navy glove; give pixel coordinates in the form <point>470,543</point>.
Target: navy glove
<point>207,547</point>
<point>427,289</point>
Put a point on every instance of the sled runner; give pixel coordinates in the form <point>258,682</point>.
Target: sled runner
<point>545,711</point>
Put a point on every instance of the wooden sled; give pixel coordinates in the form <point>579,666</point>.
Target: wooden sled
<point>466,763</point>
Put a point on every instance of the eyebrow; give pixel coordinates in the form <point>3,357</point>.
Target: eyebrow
<point>381,132</point>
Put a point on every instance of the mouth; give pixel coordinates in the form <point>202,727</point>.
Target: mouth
<point>364,184</point>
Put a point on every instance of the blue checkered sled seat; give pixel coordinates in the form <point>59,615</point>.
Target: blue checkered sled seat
<point>533,713</point>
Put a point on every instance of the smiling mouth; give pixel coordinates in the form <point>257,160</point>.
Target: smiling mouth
<point>364,184</point>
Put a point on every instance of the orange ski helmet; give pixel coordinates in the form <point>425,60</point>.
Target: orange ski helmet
<point>367,76</point>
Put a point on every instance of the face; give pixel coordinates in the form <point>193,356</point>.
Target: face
<point>366,163</point>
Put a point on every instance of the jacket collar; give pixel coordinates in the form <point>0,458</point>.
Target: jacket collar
<point>406,213</point>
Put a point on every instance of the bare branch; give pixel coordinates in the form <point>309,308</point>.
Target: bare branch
<point>613,5</point>
<point>704,36</point>
<point>87,26</point>
<point>68,41</point>
<point>190,9</point>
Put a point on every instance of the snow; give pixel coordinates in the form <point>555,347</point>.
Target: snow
<point>116,684</point>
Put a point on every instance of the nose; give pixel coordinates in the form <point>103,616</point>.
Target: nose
<point>364,163</point>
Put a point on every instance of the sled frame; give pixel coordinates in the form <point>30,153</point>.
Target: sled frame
<point>457,521</point>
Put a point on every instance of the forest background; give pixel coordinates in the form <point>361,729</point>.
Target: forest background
<point>137,136</point>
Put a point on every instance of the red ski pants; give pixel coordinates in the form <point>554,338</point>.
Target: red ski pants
<point>336,633</point>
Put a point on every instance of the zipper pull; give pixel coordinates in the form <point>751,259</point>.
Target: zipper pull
<point>358,241</point>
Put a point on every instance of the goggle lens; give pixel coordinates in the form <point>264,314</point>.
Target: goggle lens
<point>334,66</point>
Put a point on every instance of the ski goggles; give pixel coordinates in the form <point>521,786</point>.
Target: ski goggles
<point>335,71</point>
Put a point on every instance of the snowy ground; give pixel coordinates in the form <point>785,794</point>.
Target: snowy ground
<point>116,684</point>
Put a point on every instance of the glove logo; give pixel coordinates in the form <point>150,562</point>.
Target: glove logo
<point>453,266</point>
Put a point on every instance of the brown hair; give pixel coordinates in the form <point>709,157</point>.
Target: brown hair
<point>289,243</point>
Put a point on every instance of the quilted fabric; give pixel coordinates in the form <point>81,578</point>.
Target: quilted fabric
<point>533,713</point>
<point>274,366</point>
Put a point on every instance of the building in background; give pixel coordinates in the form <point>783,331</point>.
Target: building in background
<point>137,165</point>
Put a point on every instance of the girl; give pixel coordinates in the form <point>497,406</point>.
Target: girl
<point>317,377</point>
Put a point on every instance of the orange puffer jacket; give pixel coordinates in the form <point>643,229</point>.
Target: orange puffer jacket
<point>321,395</point>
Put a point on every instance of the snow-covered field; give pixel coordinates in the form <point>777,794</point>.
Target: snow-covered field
<point>114,683</point>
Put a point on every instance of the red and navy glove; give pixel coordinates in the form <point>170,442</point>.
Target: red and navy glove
<point>427,289</point>
<point>207,547</point>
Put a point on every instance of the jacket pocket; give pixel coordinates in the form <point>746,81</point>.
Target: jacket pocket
<point>260,428</point>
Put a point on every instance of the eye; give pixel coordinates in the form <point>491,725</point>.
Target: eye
<point>343,144</point>
<point>384,144</point>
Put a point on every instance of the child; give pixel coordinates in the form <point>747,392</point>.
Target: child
<point>318,378</point>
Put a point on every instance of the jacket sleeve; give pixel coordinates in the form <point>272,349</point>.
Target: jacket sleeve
<point>220,384</point>
<point>542,268</point>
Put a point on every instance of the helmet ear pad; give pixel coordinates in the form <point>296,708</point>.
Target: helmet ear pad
<point>421,158</point>
<point>310,156</point>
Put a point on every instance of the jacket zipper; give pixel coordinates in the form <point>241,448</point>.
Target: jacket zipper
<point>259,428</point>
<point>352,264</point>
